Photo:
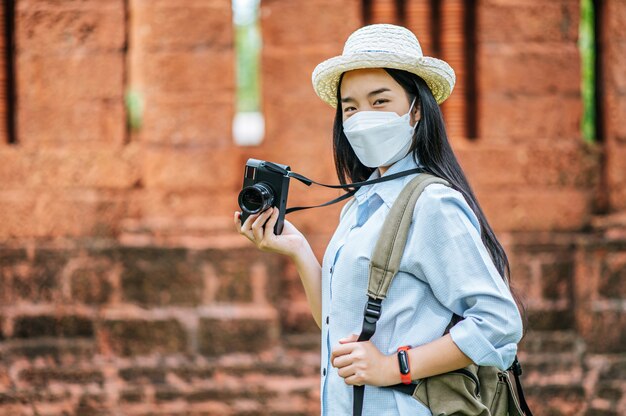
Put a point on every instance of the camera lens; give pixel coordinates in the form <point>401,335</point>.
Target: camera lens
<point>256,198</point>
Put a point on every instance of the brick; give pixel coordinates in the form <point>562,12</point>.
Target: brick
<point>550,342</point>
<point>172,26</point>
<point>534,210</point>
<point>509,69</point>
<point>616,176</point>
<point>53,213</point>
<point>38,280</point>
<point>52,326</point>
<point>132,395</point>
<point>128,337</point>
<point>289,24</point>
<point>57,30</point>
<point>153,276</point>
<point>191,169</point>
<point>614,59</point>
<point>565,164</point>
<point>556,21</point>
<point>550,319</point>
<point>557,279</point>
<point>77,121</point>
<point>609,391</point>
<point>42,377</point>
<point>615,18</point>
<point>92,404</point>
<point>69,168</point>
<point>65,351</point>
<point>291,71</point>
<point>183,203</point>
<point>542,117</point>
<point>612,276</point>
<point>616,105</point>
<point>234,281</point>
<point>604,331</point>
<point>92,283</point>
<point>202,72</point>
<point>218,336</point>
<point>60,81</point>
<point>188,119</point>
<point>615,371</point>
<point>143,374</point>
<point>556,400</point>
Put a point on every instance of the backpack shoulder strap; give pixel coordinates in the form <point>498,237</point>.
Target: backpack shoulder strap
<point>385,261</point>
<point>387,254</point>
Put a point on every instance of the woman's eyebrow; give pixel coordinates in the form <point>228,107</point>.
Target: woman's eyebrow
<point>378,91</point>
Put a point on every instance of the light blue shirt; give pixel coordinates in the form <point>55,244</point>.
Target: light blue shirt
<point>445,268</point>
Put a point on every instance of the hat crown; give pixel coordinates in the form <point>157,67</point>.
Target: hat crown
<point>384,38</point>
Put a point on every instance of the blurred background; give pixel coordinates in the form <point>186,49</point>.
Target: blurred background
<point>124,129</point>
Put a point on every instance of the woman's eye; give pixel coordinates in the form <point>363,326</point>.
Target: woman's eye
<point>380,101</point>
<point>348,109</point>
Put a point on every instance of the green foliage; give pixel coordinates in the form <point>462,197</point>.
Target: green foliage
<point>586,44</point>
<point>134,109</point>
<point>248,47</point>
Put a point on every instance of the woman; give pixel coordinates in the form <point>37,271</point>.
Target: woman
<point>387,121</point>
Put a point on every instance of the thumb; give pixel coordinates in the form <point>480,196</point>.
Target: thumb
<point>351,338</point>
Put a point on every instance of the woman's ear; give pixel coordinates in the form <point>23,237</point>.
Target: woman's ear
<point>416,113</point>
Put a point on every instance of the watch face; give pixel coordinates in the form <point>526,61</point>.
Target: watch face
<point>403,361</point>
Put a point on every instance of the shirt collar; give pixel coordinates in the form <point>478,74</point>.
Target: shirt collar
<point>387,191</point>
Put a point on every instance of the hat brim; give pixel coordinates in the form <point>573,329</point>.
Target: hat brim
<point>438,75</point>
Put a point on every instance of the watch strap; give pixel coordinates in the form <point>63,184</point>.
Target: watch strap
<point>403,363</point>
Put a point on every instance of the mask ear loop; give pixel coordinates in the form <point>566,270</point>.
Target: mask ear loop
<point>409,113</point>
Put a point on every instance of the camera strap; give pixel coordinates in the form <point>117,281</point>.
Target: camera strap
<point>354,187</point>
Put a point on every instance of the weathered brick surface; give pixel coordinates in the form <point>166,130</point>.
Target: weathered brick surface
<point>52,326</point>
<point>4,139</point>
<point>71,72</point>
<point>88,26</point>
<point>614,58</point>
<point>128,337</point>
<point>229,334</point>
<point>529,21</point>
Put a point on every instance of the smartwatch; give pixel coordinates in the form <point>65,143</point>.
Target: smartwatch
<point>403,362</point>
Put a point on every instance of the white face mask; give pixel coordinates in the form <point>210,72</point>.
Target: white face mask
<point>379,138</point>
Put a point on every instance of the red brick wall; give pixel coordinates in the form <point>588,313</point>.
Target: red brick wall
<point>124,287</point>
<point>614,44</point>
<point>3,80</point>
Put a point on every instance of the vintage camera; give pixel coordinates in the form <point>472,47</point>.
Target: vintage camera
<point>265,185</point>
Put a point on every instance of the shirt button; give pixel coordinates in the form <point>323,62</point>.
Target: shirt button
<point>331,270</point>
<point>327,320</point>
<point>324,372</point>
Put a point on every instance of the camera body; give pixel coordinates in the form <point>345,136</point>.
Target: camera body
<point>265,185</point>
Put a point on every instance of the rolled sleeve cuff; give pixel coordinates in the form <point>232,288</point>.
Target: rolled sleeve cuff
<point>471,340</point>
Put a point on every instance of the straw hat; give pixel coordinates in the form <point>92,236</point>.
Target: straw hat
<point>383,46</point>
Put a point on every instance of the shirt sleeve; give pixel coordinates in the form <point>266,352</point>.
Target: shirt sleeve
<point>447,252</point>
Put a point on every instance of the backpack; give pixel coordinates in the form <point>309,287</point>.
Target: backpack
<point>473,390</point>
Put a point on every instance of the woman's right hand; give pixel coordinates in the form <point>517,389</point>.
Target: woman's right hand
<point>259,228</point>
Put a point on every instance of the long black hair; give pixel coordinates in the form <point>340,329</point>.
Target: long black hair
<point>433,151</point>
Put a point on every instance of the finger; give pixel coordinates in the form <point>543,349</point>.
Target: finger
<point>257,226</point>
<point>341,350</point>
<point>237,220</point>
<point>248,222</point>
<point>351,338</point>
<point>346,371</point>
<point>343,361</point>
<point>271,222</point>
<point>354,380</point>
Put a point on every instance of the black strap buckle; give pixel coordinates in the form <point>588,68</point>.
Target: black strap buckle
<point>516,367</point>
<point>373,310</point>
